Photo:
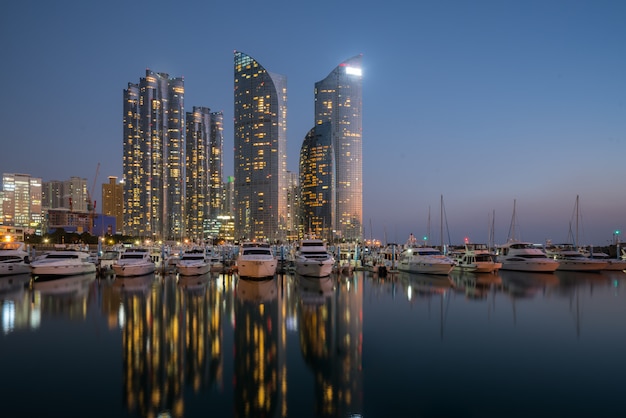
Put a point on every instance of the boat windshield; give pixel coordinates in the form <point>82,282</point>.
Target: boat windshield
<point>128,256</point>
<point>62,256</point>
<point>10,246</point>
<point>110,255</point>
<point>251,251</point>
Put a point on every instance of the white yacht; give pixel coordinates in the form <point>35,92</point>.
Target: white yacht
<point>525,256</point>
<point>134,262</point>
<point>613,264</point>
<point>13,258</point>
<point>61,263</point>
<point>107,259</point>
<point>425,260</point>
<point>256,260</point>
<point>570,259</point>
<point>476,258</point>
<point>193,262</point>
<point>313,259</point>
<point>215,259</point>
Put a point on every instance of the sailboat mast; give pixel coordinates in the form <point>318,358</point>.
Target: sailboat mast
<point>441,223</point>
<point>512,227</point>
<point>428,228</point>
<point>576,242</point>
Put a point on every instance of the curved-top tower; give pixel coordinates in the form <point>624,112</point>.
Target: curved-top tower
<point>260,151</point>
<point>338,100</point>
<point>317,192</point>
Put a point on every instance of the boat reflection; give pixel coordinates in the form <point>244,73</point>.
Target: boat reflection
<point>67,285</point>
<point>314,290</point>
<point>424,285</point>
<point>522,284</point>
<point>475,286</point>
<point>11,286</point>
<point>64,296</point>
<point>134,284</point>
<point>194,282</point>
<point>257,291</point>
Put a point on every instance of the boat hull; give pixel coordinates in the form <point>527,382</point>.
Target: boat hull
<point>257,268</point>
<point>616,265</point>
<point>312,268</point>
<point>52,271</point>
<point>193,269</point>
<point>588,265</point>
<point>131,270</point>
<point>426,268</point>
<point>536,266</point>
<point>11,269</point>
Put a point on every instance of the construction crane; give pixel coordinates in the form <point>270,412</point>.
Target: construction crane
<point>91,204</point>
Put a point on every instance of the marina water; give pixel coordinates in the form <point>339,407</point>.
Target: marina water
<point>406,345</point>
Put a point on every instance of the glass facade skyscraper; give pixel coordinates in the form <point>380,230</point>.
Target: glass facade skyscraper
<point>153,158</point>
<point>317,192</point>
<point>338,100</point>
<point>216,164</point>
<point>260,151</point>
<point>197,177</point>
<point>21,201</point>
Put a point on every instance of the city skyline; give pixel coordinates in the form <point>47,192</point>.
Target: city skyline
<point>482,103</point>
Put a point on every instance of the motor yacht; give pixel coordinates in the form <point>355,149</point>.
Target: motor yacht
<point>571,259</point>
<point>256,260</point>
<point>193,262</point>
<point>61,263</point>
<point>525,256</point>
<point>215,259</point>
<point>476,258</point>
<point>14,258</point>
<point>107,259</point>
<point>134,262</point>
<point>313,259</point>
<point>613,264</point>
<point>425,260</point>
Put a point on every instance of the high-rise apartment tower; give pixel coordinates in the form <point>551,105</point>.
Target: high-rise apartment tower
<point>260,154</point>
<point>153,160</point>
<point>338,100</point>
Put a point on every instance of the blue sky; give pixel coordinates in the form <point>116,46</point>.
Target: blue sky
<point>481,102</point>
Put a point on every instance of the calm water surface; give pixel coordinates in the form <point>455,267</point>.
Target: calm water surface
<point>505,345</point>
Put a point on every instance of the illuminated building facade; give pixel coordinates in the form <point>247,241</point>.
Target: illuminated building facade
<point>216,164</point>
<point>317,182</point>
<point>294,229</point>
<point>153,160</point>
<point>113,201</point>
<point>21,203</point>
<point>69,194</point>
<point>197,176</point>
<point>338,100</point>
<point>260,159</point>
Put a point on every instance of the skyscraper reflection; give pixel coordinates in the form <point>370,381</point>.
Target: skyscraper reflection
<point>259,351</point>
<point>330,324</point>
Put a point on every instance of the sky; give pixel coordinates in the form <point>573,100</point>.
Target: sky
<point>491,107</point>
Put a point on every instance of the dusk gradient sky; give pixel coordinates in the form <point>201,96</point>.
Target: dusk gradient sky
<point>481,102</point>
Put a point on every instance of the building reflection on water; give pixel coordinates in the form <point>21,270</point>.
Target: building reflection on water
<point>259,347</point>
<point>331,338</point>
<point>171,337</point>
<point>226,339</point>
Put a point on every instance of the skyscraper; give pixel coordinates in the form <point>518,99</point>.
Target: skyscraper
<point>153,160</point>
<point>197,178</point>
<point>113,202</point>
<point>216,164</point>
<point>338,100</point>
<point>260,159</point>
<point>21,203</point>
<point>317,182</point>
